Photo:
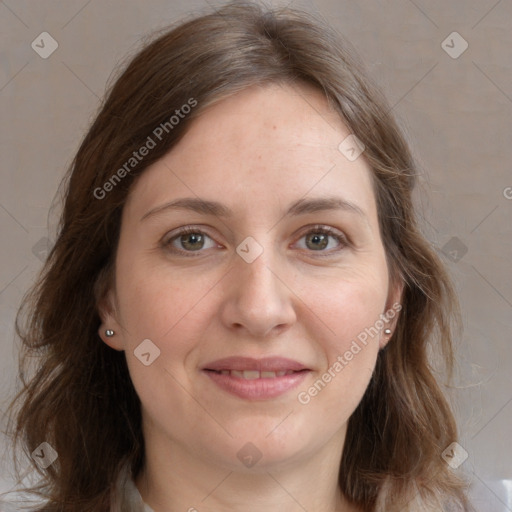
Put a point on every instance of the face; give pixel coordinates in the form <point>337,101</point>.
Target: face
<point>263,322</point>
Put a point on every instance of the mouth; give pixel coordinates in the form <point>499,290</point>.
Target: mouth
<point>255,374</point>
<point>249,364</point>
<point>256,379</point>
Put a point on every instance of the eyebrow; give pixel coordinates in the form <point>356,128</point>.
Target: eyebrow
<point>299,207</point>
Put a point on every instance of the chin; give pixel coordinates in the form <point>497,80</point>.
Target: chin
<point>267,446</point>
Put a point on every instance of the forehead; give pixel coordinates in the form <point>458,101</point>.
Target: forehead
<point>265,144</point>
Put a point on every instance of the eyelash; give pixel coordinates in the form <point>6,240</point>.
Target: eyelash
<point>190,230</point>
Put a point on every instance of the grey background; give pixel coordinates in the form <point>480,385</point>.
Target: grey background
<point>456,113</point>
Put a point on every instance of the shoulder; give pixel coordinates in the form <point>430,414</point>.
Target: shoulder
<point>125,495</point>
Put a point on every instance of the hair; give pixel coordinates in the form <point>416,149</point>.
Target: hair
<point>76,392</point>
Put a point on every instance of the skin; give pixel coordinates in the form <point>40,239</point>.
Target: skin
<point>256,151</point>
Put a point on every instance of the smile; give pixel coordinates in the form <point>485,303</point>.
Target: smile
<point>256,379</point>
<point>255,374</point>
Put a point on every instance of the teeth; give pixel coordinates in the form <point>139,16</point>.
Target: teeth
<point>251,374</point>
<point>255,374</point>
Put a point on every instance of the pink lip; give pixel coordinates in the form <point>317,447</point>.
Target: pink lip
<point>261,388</point>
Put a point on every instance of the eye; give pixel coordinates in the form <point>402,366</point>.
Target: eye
<point>188,240</point>
<point>317,239</point>
<point>191,240</point>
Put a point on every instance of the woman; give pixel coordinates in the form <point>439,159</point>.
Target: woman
<point>237,311</point>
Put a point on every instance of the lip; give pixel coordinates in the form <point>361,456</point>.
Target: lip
<point>262,388</point>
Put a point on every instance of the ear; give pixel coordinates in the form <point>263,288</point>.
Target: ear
<point>393,308</point>
<point>109,321</point>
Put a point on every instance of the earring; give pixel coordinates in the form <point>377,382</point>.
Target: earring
<point>109,333</point>
<point>387,332</point>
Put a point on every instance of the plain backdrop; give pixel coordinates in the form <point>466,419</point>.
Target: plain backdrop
<point>455,107</point>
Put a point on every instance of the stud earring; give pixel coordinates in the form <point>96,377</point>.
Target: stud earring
<point>387,332</point>
<point>109,333</point>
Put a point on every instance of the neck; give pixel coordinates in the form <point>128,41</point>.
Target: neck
<point>177,479</point>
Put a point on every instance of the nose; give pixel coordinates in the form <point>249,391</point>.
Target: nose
<point>258,300</point>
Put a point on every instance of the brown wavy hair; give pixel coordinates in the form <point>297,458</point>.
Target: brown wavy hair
<point>76,391</point>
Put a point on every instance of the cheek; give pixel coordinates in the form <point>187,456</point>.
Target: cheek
<point>156,303</point>
<point>347,305</point>
<point>168,311</point>
<point>348,314</point>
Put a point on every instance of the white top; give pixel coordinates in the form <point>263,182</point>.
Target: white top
<point>134,494</point>
<point>126,497</point>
